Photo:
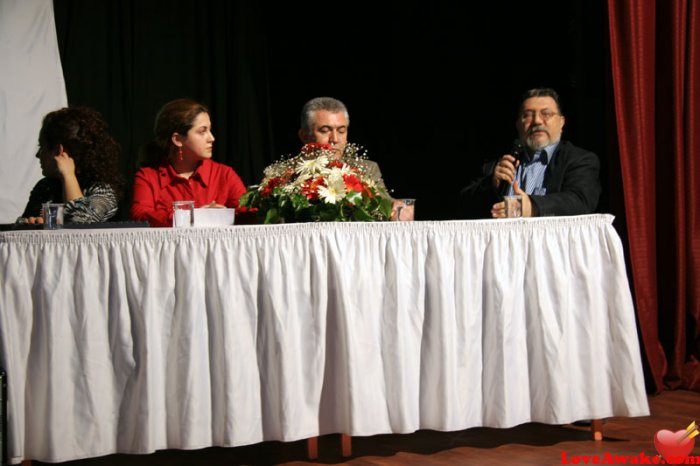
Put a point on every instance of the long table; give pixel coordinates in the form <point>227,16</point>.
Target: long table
<point>131,341</point>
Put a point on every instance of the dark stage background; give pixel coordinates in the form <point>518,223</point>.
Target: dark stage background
<point>432,87</point>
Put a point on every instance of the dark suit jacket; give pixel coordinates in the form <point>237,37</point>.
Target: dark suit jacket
<point>571,179</point>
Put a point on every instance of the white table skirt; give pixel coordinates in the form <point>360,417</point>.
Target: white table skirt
<point>132,341</point>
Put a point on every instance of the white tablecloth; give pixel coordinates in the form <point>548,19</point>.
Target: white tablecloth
<point>137,340</point>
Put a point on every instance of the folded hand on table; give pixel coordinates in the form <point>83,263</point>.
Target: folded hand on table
<point>213,205</point>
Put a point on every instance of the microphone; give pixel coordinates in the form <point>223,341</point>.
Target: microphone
<point>518,151</point>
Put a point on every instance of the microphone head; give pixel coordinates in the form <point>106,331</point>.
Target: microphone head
<point>518,149</point>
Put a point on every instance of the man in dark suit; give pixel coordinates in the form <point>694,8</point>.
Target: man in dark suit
<point>552,176</point>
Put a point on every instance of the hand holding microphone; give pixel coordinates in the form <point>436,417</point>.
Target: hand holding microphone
<point>505,170</point>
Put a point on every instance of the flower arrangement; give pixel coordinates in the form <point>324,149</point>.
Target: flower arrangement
<point>314,186</point>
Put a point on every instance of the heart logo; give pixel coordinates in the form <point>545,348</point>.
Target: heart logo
<point>673,446</point>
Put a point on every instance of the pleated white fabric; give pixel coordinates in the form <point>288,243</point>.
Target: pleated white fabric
<point>137,340</point>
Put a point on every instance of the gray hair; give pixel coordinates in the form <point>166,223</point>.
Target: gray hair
<point>541,92</point>
<point>321,103</point>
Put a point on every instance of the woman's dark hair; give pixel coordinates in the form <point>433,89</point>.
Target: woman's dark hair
<point>85,138</point>
<point>177,116</point>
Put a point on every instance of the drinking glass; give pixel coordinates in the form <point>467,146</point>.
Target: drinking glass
<point>183,214</point>
<point>514,206</point>
<point>403,210</point>
<point>53,215</point>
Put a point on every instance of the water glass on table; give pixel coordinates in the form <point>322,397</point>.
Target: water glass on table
<point>183,214</point>
<point>403,210</point>
<point>52,214</point>
<point>514,206</point>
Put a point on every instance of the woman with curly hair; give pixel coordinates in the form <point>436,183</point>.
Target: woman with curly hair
<point>177,166</point>
<point>79,161</point>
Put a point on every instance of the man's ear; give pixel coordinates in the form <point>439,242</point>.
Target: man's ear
<point>304,135</point>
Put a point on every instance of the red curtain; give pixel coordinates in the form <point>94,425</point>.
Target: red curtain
<point>655,51</point>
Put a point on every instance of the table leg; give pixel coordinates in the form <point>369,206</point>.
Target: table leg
<point>597,429</point>
<point>312,448</point>
<point>346,444</point>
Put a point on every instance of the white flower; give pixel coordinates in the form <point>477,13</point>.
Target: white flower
<point>312,166</point>
<point>369,182</point>
<point>269,172</point>
<point>344,170</point>
<point>334,191</point>
<point>302,177</point>
<point>334,175</point>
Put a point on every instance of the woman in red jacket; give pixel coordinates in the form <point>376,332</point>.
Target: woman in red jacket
<point>177,166</point>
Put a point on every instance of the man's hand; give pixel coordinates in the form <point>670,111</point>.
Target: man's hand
<point>505,170</point>
<point>527,202</point>
<point>498,210</point>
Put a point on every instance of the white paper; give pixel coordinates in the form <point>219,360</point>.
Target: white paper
<point>213,217</point>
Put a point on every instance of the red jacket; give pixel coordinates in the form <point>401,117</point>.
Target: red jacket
<point>155,189</point>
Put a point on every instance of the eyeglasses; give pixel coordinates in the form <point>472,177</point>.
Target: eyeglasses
<point>528,115</point>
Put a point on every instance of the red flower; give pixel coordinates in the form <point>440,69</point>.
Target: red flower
<point>335,164</point>
<point>310,187</point>
<point>271,185</point>
<point>353,183</point>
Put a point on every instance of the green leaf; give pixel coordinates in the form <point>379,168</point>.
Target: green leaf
<point>272,216</point>
<point>329,213</point>
<point>362,215</point>
<point>248,198</point>
<point>385,207</point>
<point>354,197</point>
<point>300,202</point>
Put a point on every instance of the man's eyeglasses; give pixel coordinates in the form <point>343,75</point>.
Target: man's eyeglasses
<point>529,115</point>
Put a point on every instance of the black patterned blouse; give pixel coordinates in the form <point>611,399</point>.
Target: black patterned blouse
<point>99,202</point>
